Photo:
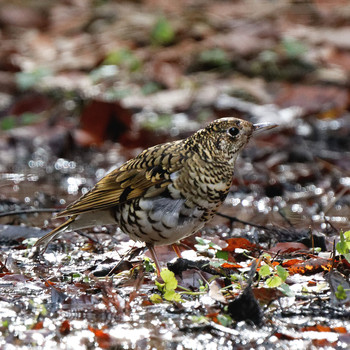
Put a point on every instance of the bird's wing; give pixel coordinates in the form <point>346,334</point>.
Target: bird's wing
<point>152,168</point>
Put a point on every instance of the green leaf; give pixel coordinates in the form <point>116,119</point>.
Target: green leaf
<point>221,255</point>
<point>274,281</point>
<point>163,32</point>
<point>162,121</point>
<point>340,293</point>
<point>171,295</point>
<point>29,242</point>
<point>149,266</point>
<point>293,48</point>
<point>214,58</point>
<point>214,246</point>
<point>265,271</point>
<point>123,57</point>
<point>160,286</point>
<point>347,236</point>
<point>201,248</point>
<point>285,289</point>
<point>150,88</point>
<point>30,118</point>
<point>200,319</point>
<point>283,273</point>
<point>26,80</point>
<point>169,279</point>
<point>225,320</point>
<point>8,122</point>
<point>43,310</point>
<point>202,241</point>
<point>343,247</point>
<point>155,298</point>
<point>217,263</point>
<point>177,298</point>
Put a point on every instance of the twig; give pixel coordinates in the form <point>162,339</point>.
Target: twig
<point>81,233</point>
<point>234,219</point>
<point>29,211</point>
<point>115,268</point>
<point>334,200</point>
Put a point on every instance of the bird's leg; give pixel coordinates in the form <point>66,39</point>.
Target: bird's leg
<point>177,250</point>
<point>154,256</point>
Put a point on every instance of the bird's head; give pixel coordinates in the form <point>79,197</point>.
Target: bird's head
<point>224,138</point>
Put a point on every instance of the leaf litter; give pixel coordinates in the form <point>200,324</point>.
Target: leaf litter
<point>271,271</point>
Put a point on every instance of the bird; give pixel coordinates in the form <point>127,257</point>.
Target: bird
<point>167,192</point>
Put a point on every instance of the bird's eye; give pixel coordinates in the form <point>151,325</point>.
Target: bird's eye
<point>233,131</point>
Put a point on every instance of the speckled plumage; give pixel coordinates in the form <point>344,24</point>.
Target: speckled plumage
<point>167,192</point>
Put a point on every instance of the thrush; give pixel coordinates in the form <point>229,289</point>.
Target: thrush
<point>166,193</point>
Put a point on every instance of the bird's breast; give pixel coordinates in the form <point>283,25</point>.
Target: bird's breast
<point>180,209</point>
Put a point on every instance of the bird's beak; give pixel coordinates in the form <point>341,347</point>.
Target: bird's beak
<point>263,127</point>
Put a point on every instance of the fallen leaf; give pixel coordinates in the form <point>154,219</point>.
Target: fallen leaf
<point>231,266</point>
<point>242,243</point>
<point>287,247</point>
<point>22,16</point>
<point>291,262</point>
<point>215,292</point>
<point>100,121</point>
<point>103,339</point>
<point>213,316</point>
<point>322,343</point>
<point>64,328</point>
<point>38,325</point>
<point>341,330</point>
<point>314,99</point>
<point>282,336</point>
<point>311,266</point>
<point>266,295</point>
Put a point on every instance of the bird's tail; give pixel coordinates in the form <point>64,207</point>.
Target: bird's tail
<point>45,240</point>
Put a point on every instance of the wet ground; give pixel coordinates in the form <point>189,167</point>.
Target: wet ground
<point>283,192</point>
<point>271,270</point>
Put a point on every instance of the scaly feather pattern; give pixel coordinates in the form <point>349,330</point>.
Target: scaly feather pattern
<point>131,180</point>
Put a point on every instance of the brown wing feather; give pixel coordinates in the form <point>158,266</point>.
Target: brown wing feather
<point>152,167</point>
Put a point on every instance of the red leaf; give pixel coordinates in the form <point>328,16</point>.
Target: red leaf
<point>317,328</point>
<point>64,327</point>
<point>323,343</point>
<point>231,266</point>
<point>340,330</point>
<point>242,243</point>
<point>312,283</point>
<point>38,325</point>
<point>283,336</point>
<point>213,316</point>
<point>101,120</point>
<point>291,262</point>
<point>311,266</point>
<point>103,339</point>
<point>146,303</point>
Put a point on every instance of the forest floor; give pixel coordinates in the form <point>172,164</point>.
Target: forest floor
<point>86,85</point>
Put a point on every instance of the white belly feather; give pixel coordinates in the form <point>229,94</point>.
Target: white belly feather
<point>160,220</point>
